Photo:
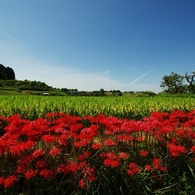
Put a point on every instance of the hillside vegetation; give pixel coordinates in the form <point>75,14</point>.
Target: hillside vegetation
<point>27,87</point>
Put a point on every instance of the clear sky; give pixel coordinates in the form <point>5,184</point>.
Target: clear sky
<point>126,45</point>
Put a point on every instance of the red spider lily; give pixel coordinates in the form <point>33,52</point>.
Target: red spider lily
<point>15,124</point>
<point>88,133</point>
<point>21,169</point>
<point>112,156</point>
<point>103,155</point>
<point>148,168</point>
<point>82,143</point>
<point>23,164</point>
<point>143,153</point>
<point>122,137</point>
<point>130,126</point>
<point>30,174</point>
<point>133,169</point>
<point>5,145</point>
<point>124,155</point>
<point>89,172</point>
<point>63,139</point>
<point>34,129</point>
<point>109,142</point>
<point>176,150</point>
<point>86,154</point>
<point>49,138</point>
<point>2,181</point>
<point>46,173</point>
<point>111,163</point>
<point>10,181</point>
<point>192,149</point>
<point>82,183</point>
<point>17,149</point>
<point>182,133</point>
<point>157,165</point>
<point>54,151</point>
<point>178,116</point>
<point>74,128</point>
<point>81,158</point>
<point>91,177</point>
<point>173,140</point>
<point>41,164</point>
<point>73,167</point>
<point>62,168</point>
<point>139,138</point>
<point>2,119</point>
<point>96,146</point>
<point>38,153</point>
<point>25,160</point>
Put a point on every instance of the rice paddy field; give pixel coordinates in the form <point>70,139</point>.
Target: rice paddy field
<point>122,107</point>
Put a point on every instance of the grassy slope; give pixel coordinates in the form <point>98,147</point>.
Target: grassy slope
<point>11,88</point>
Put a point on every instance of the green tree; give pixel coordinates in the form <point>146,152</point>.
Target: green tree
<point>102,92</point>
<point>10,73</point>
<point>6,73</point>
<point>173,83</point>
<point>2,72</point>
<point>191,81</point>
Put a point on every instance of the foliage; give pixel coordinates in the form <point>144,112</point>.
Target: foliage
<point>6,73</point>
<point>191,81</point>
<point>150,93</point>
<point>174,83</point>
<point>116,92</point>
<point>65,154</point>
<point>26,85</point>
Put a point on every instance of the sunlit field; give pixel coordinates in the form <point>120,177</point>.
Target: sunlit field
<point>122,107</point>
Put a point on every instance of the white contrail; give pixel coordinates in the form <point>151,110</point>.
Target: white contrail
<point>137,79</point>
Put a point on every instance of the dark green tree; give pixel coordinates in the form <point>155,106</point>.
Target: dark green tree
<point>102,92</point>
<point>191,81</point>
<point>6,73</point>
<point>10,73</point>
<point>173,83</point>
<point>2,72</point>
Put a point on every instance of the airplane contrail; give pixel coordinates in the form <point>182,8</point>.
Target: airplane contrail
<point>143,75</point>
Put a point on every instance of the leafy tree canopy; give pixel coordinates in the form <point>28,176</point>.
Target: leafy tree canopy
<point>175,83</point>
<point>6,73</point>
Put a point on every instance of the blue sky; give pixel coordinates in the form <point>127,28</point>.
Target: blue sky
<point>126,45</point>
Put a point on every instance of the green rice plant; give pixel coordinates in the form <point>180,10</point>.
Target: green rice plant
<point>122,107</point>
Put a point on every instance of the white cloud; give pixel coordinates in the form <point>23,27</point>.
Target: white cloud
<point>140,77</point>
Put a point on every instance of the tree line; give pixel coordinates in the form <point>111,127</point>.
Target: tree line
<point>175,83</point>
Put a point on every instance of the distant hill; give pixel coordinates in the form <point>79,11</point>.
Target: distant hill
<point>9,85</point>
<point>27,87</point>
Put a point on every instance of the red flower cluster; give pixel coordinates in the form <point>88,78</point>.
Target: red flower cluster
<point>64,144</point>
<point>133,169</point>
